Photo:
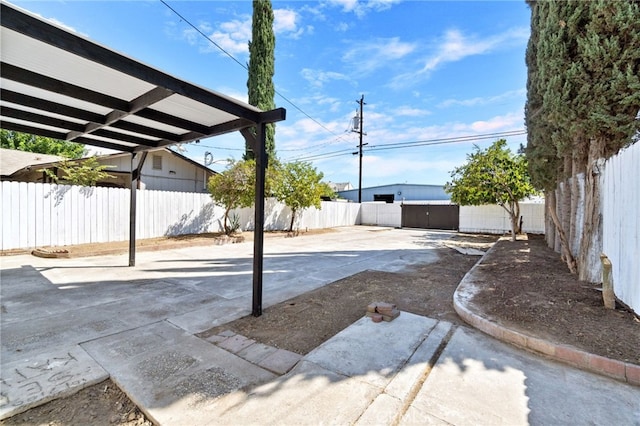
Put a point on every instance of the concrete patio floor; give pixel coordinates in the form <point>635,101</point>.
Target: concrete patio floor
<point>69,323</point>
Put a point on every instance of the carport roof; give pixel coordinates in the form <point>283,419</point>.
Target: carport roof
<point>58,84</point>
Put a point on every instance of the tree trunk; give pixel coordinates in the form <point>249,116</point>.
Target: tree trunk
<point>293,218</point>
<point>565,215</point>
<point>556,221</point>
<point>513,217</point>
<point>589,265</point>
<point>549,226</point>
<point>514,227</point>
<point>566,252</point>
<point>226,218</point>
<point>579,160</point>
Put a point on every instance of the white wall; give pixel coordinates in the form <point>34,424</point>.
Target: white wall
<point>493,219</point>
<point>39,215</point>
<point>621,223</point>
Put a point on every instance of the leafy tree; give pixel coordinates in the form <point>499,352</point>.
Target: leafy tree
<point>492,176</point>
<point>298,185</point>
<point>32,143</point>
<point>233,188</point>
<point>583,96</point>
<point>262,69</point>
<point>85,173</point>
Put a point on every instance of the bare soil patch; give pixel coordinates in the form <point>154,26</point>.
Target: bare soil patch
<point>524,286</point>
<point>103,404</point>
<point>304,322</point>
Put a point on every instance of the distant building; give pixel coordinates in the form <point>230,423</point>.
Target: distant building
<point>163,170</point>
<point>340,186</point>
<point>397,193</point>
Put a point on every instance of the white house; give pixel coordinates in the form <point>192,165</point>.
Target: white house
<point>163,170</point>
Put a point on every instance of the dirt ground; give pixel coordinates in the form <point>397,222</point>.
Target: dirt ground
<point>525,286</point>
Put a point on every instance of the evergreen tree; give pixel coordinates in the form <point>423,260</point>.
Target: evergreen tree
<point>583,99</point>
<point>262,69</point>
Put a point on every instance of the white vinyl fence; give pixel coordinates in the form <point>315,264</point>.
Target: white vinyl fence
<point>621,223</point>
<point>381,214</point>
<point>39,215</point>
<point>493,219</point>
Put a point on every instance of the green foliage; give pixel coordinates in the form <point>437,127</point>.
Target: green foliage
<point>234,188</point>
<point>583,86</point>
<point>262,68</point>
<point>326,191</point>
<point>298,185</point>
<point>492,176</point>
<point>31,143</point>
<point>84,173</point>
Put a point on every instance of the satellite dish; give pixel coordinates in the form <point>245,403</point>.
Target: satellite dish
<point>208,158</point>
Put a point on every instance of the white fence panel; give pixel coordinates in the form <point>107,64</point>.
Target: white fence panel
<point>38,215</point>
<point>381,214</point>
<point>621,223</point>
<point>493,219</point>
<point>277,216</point>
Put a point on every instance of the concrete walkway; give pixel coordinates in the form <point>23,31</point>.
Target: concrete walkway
<point>69,323</point>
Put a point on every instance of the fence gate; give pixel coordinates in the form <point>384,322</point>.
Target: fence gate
<point>430,216</point>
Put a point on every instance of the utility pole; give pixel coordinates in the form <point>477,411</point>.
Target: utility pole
<point>360,145</point>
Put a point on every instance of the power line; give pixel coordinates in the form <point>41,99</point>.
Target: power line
<point>413,144</point>
<point>446,140</point>
<point>245,67</point>
<point>204,35</point>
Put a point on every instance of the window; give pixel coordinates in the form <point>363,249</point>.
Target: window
<point>157,162</point>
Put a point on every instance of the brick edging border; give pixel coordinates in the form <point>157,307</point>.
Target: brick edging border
<point>623,371</point>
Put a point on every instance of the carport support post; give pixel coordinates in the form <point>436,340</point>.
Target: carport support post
<point>258,240</point>
<point>133,181</point>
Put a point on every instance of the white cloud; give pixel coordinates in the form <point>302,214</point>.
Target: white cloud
<point>373,54</point>
<point>408,111</point>
<point>342,27</point>
<point>285,20</point>
<point>454,46</point>
<point>233,36</point>
<point>478,101</point>
<point>509,121</point>
<point>318,78</point>
<point>361,7</point>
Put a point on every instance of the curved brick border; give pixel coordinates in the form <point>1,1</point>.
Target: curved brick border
<point>619,370</point>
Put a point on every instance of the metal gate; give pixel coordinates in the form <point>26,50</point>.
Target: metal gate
<point>431,216</point>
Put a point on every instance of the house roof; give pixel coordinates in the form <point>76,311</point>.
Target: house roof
<point>58,84</point>
<point>12,160</point>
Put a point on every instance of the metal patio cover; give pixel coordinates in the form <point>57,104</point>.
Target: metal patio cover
<point>58,84</point>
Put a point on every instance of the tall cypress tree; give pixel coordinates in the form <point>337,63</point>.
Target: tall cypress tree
<point>583,97</point>
<point>262,69</point>
<point>607,105</point>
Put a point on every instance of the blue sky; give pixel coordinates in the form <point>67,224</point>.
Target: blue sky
<point>428,70</point>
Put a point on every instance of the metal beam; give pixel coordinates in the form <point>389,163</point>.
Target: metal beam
<point>34,79</point>
<point>40,30</point>
<point>135,177</point>
<point>6,111</point>
<point>80,114</point>
<point>258,232</point>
